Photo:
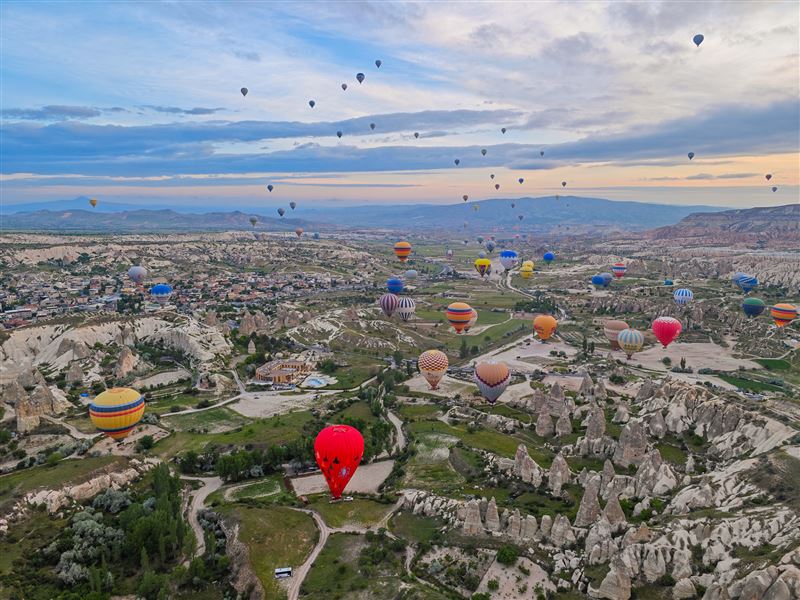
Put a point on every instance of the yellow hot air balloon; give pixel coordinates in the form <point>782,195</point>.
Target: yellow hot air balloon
<point>433,366</point>
<point>116,412</point>
<point>483,266</point>
<point>93,202</point>
<point>545,326</point>
<point>402,250</point>
<point>459,315</point>
<point>630,340</point>
<point>783,314</point>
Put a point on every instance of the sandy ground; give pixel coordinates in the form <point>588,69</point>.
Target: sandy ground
<point>516,392</point>
<point>164,378</point>
<point>528,354</point>
<point>127,447</point>
<point>511,580</point>
<point>366,480</point>
<point>448,387</point>
<point>698,356</point>
<point>567,382</point>
<point>268,404</point>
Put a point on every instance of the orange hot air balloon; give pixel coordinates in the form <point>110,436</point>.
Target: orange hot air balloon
<point>545,326</point>
<point>93,202</point>
<point>783,314</point>
<point>402,250</point>
<point>299,231</point>
<point>492,379</point>
<point>459,315</point>
<point>433,366</point>
<point>611,329</point>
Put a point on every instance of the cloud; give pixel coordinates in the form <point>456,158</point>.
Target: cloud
<point>701,176</point>
<point>52,113</point>
<point>174,110</point>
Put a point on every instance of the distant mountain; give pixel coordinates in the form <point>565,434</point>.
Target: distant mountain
<point>781,223</point>
<point>79,203</point>
<point>572,214</point>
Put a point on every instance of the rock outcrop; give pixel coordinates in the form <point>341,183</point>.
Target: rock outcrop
<point>632,444</point>
<point>126,363</point>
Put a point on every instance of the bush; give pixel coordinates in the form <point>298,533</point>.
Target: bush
<point>493,584</point>
<point>507,555</point>
<point>145,443</point>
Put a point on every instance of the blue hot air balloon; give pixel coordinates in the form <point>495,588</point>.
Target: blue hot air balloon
<point>607,277</point>
<point>161,293</point>
<point>698,39</point>
<point>683,296</point>
<point>394,285</point>
<point>360,77</point>
<point>270,187</point>
<point>491,245</point>
<point>690,155</point>
<point>599,280</point>
<point>508,258</point>
<point>753,307</point>
<point>745,281</point>
<point>549,257</point>
<point>312,103</point>
<point>668,281</point>
<point>378,63</point>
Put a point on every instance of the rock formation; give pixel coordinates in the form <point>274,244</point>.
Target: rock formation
<point>564,424</point>
<point>559,475</point>
<point>526,468</point>
<point>42,401</point>
<point>632,445</point>
<point>126,363</point>
<point>544,423</point>
<point>589,508</point>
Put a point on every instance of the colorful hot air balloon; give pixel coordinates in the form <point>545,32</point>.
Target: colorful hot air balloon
<point>338,450</point>
<point>244,91</point>
<point>161,293</point>
<point>526,270</point>
<point>459,314</point>
<point>116,412</point>
<point>411,274</point>
<point>753,307</point>
<point>402,250</point>
<point>746,282</point>
<point>281,211</point>
<point>683,296</point>
<point>666,329</point>
<point>783,314</point>
<point>508,258</point>
<point>549,257</point>
<point>93,201</point>
<point>607,277</point>
<point>137,274</point>
<point>618,269</point>
<point>406,308</point>
<point>521,180</point>
<point>630,340</point>
<point>388,303</point>
<point>545,326</point>
<point>472,320</point>
<point>483,266</point>
<point>298,231</point>
<point>394,285</point>
<point>492,379</point>
<point>698,39</point>
<point>611,330</point>
<point>690,155</point>
<point>292,205</point>
<point>433,366</point>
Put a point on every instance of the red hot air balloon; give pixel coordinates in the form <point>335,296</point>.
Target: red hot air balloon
<point>338,450</point>
<point>666,329</point>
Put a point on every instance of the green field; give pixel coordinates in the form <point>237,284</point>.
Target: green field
<point>774,364</point>
<point>750,384</point>
<point>417,412</point>
<point>358,512</point>
<point>275,537</point>
<point>357,410</point>
<point>27,536</point>
<point>415,528</point>
<point>266,487</point>
<point>213,419</point>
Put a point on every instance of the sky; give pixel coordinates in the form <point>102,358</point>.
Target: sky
<point>140,102</point>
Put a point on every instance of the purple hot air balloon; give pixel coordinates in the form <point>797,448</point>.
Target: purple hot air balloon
<point>388,304</point>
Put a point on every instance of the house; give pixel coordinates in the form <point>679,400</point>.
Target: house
<point>283,371</point>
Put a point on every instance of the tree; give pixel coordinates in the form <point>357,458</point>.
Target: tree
<point>683,363</point>
<point>507,555</point>
<point>146,443</point>
<point>463,350</point>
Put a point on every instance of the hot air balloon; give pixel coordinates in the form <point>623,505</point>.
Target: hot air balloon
<point>388,304</point>
<point>492,379</point>
<point>746,282</point>
<point>116,412</point>
<point>394,285</point>
<point>545,326</point>
<point>491,245</point>
<point>491,175</point>
<point>465,197</point>
<point>563,184</point>
<point>298,231</point>
<point>449,253</point>
<point>753,307</point>
<point>292,205</point>
<point>508,258</point>
<point>312,103</point>
<point>526,270</point>
<point>768,176</point>
<point>599,280</point>
<point>161,293</point>
<point>411,274</point>
<point>541,152</point>
<point>416,134</point>
<point>338,450</point>
<point>378,63</point>
<point>459,314</point>
<point>457,161</point>
<point>483,266</point>
<point>783,314</point>
<point>549,257</point>
<point>668,281</point>
<point>344,87</point>
<point>520,217</point>
<point>360,77</point>
<point>316,235</point>
<point>607,277</point>
<point>281,211</point>
<point>698,39</point>
<point>137,274</point>
<point>244,91</point>
<point>339,134</point>
<point>630,340</point>
<point>402,250</point>
<point>270,187</point>
<point>483,151</point>
<point>618,269</point>
<point>503,130</point>
<point>666,329</point>
<point>406,307</point>
<point>774,189</point>
<point>479,239</point>
<point>472,320</point>
<point>690,155</point>
<point>521,180</point>
<point>528,263</point>
<point>253,221</point>
<point>497,186</point>
<point>433,366</point>
<point>611,330</point>
<point>682,296</point>
<point>93,202</point>
<point>372,126</point>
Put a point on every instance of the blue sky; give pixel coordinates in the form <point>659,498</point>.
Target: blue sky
<point>140,102</point>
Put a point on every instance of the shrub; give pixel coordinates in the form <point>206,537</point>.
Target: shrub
<point>507,555</point>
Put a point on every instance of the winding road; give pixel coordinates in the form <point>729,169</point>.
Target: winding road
<point>210,485</point>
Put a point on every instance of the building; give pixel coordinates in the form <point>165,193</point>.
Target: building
<point>283,371</point>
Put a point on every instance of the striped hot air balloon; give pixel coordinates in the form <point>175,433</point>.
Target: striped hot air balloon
<point>618,269</point>
<point>753,307</point>
<point>682,296</point>
<point>611,330</point>
<point>545,326</point>
<point>472,320</point>
<point>483,266</point>
<point>459,315</point>
<point>783,313</point>
<point>508,258</point>
<point>433,366</point>
<point>406,308</point>
<point>492,379</point>
<point>388,304</point>
<point>402,250</point>
<point>746,282</point>
<point>161,293</point>
<point>630,340</point>
<point>116,412</point>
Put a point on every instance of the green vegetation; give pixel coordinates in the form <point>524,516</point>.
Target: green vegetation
<point>672,453</point>
<point>359,511</point>
<point>774,364</point>
<point>418,412</point>
<point>267,487</point>
<point>750,385</point>
<point>213,420</point>
<point>415,528</point>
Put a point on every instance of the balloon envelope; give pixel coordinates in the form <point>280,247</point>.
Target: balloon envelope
<point>753,307</point>
<point>491,245</point>
<point>492,379</point>
<point>508,258</point>
<point>116,412</point>
<point>338,450</point>
<point>281,211</point>
<point>618,269</point>
<point>161,293</point>
<point>545,326</point>
<point>746,282</point>
<point>698,39</point>
<point>783,314</point>
<point>270,187</point>
<point>298,231</point>
<point>611,330</point>
<point>244,91</point>
<point>683,296</point>
<point>402,250</point>
<point>388,303</point>
<point>137,274</point>
<point>360,77</point>
<point>472,320</point>
<point>690,155</point>
<point>630,340</point>
<point>483,266</point>
<point>394,285</point>
<point>666,329</point>
<point>312,103</point>
<point>599,280</point>
<point>406,307</point>
<point>411,274</point>
<point>292,205</point>
<point>378,63</point>
<point>433,366</point>
<point>549,257</point>
<point>459,314</point>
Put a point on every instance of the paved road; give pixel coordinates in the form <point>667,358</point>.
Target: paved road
<point>210,485</point>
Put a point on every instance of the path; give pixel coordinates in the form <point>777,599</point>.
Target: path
<point>74,431</point>
<point>210,485</point>
<point>301,571</point>
<point>400,437</point>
